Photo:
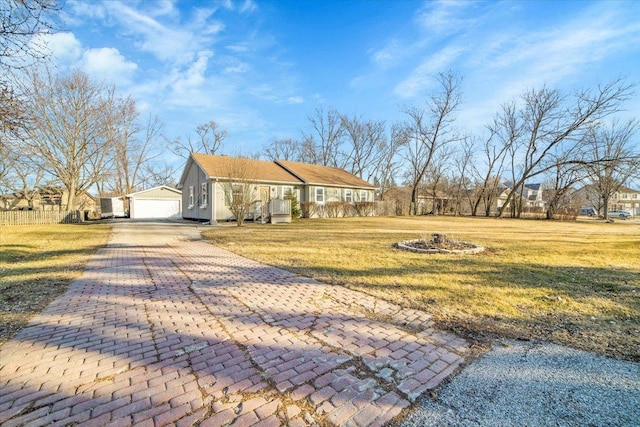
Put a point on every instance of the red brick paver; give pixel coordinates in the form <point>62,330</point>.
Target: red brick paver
<point>161,330</point>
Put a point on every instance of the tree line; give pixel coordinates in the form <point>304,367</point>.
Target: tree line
<point>65,129</point>
<point>562,140</point>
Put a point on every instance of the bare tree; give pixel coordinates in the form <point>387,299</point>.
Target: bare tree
<point>27,177</point>
<point>435,179</point>
<point>548,120</point>
<point>429,129</point>
<point>389,163</point>
<point>502,135</point>
<point>283,149</point>
<point>158,173</point>
<point>613,157</point>
<point>21,21</point>
<point>209,141</point>
<point>71,129</point>
<point>460,184</point>
<point>240,192</point>
<point>133,147</point>
<point>559,187</point>
<point>20,48</point>
<point>322,145</point>
<point>7,159</point>
<point>365,146</point>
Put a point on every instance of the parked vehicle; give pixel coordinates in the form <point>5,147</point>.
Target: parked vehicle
<point>588,211</point>
<point>619,214</point>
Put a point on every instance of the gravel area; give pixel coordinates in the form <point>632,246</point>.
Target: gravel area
<point>536,384</point>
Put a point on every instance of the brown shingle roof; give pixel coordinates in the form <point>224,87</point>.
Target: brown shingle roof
<point>323,175</point>
<point>278,171</point>
<point>233,167</point>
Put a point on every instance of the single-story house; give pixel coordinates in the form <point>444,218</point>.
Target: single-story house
<point>206,178</point>
<point>156,202</point>
<point>46,198</point>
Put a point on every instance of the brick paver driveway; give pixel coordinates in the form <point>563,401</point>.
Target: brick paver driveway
<point>163,329</point>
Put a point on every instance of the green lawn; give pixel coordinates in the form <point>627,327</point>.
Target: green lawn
<point>575,283</point>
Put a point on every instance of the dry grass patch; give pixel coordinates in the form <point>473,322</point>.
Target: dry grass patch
<point>37,263</point>
<point>571,283</point>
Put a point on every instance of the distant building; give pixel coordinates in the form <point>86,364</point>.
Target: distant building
<point>532,196</point>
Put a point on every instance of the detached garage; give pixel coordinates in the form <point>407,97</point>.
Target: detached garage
<point>157,202</point>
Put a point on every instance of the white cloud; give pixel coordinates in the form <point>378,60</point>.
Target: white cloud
<point>65,48</point>
<point>238,47</point>
<point>390,54</point>
<point>237,67</point>
<point>557,54</point>
<point>268,93</point>
<point>422,77</point>
<point>107,63</point>
<point>163,8</point>
<point>445,16</point>
<point>194,77</point>
<point>94,10</point>
<point>248,6</point>
<point>164,42</point>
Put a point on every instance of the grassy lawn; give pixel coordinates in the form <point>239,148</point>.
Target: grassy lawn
<point>37,263</point>
<point>574,283</point>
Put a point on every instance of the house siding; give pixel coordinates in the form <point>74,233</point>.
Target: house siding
<point>195,177</point>
<point>275,175</point>
<point>157,193</point>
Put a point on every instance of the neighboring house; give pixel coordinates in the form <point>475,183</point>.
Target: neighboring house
<point>47,199</point>
<point>532,196</point>
<point>625,199</point>
<point>206,178</point>
<point>426,203</point>
<point>157,202</point>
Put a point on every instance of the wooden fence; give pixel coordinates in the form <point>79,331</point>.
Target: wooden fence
<point>40,217</point>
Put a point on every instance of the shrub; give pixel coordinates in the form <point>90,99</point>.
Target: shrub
<point>364,208</point>
<point>295,205</point>
<point>334,209</point>
<point>310,209</point>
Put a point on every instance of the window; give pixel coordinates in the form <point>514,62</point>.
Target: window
<point>192,197</point>
<point>348,196</point>
<point>286,190</point>
<point>204,195</point>
<point>363,195</point>
<point>237,194</point>
<point>319,195</point>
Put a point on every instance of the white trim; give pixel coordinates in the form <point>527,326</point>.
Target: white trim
<point>204,195</point>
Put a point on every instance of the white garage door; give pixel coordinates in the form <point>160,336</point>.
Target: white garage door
<point>147,208</point>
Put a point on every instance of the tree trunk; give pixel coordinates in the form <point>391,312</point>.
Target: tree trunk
<point>71,197</point>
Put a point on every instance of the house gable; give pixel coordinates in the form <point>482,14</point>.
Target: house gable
<point>160,192</point>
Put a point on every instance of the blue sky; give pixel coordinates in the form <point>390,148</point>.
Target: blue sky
<point>260,68</point>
